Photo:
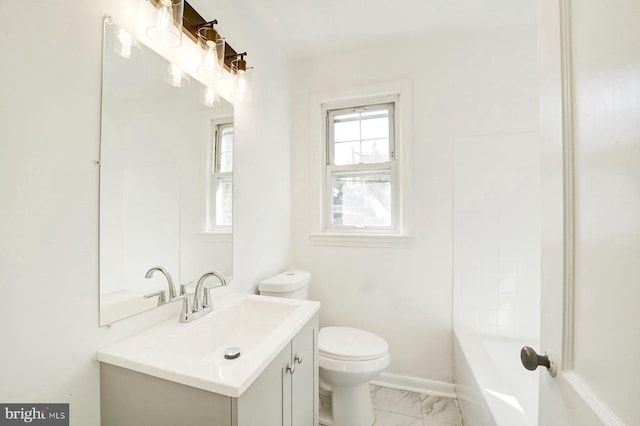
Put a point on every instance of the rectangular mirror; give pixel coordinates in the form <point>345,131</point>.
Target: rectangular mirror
<point>166,170</point>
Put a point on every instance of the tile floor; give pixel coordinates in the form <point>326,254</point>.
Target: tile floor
<point>393,407</point>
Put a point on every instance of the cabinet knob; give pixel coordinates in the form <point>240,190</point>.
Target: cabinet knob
<point>298,359</point>
<point>291,369</point>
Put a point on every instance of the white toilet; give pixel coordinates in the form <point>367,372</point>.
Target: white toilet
<point>348,358</point>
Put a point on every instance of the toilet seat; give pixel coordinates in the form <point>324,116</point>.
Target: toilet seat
<point>350,344</point>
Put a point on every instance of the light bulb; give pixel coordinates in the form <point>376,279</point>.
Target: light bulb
<point>211,65</point>
<point>208,97</point>
<point>125,40</point>
<point>165,23</point>
<point>210,59</point>
<point>125,44</point>
<point>176,76</point>
<point>242,84</point>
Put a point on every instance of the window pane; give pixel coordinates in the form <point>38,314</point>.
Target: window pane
<point>361,198</point>
<point>226,162</point>
<point>227,139</point>
<point>346,153</point>
<point>375,151</point>
<point>224,192</point>
<point>361,135</point>
<point>346,131</point>
<point>225,149</point>
<point>376,128</point>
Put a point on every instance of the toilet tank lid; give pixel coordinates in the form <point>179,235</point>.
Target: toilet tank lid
<point>290,280</point>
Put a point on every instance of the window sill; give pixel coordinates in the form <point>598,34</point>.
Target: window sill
<point>218,237</point>
<point>362,240</point>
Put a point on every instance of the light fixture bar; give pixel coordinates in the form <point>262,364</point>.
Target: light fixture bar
<point>192,21</point>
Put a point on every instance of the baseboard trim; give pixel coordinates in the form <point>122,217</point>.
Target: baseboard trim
<point>415,384</point>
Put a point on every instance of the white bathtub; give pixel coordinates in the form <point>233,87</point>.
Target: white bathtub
<point>492,386</point>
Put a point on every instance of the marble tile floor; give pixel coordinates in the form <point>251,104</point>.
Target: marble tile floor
<point>393,407</point>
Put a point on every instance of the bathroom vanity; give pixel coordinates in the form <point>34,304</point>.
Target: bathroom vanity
<point>177,373</point>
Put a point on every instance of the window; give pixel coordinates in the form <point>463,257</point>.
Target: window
<point>361,174</point>
<point>361,168</point>
<point>221,184</point>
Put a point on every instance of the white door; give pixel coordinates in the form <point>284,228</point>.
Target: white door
<point>589,54</point>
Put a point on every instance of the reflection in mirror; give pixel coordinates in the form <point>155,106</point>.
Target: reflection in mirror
<point>165,179</point>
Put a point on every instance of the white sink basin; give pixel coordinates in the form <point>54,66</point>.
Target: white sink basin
<point>193,353</point>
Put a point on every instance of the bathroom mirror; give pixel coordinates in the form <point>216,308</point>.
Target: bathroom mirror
<point>165,178</point>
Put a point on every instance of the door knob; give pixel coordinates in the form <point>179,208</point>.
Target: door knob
<point>531,360</point>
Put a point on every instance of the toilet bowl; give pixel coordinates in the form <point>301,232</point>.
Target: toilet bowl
<point>348,359</point>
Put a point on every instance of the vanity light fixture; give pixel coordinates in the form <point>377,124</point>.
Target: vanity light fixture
<point>164,22</point>
<point>176,76</point>
<point>169,18</point>
<point>213,45</point>
<point>193,21</point>
<point>242,85</point>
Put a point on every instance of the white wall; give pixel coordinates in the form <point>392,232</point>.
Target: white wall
<point>140,198</point>
<point>50,129</point>
<point>464,84</point>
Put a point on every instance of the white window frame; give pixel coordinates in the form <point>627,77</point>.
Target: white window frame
<point>213,176</point>
<point>398,234</point>
<point>361,168</point>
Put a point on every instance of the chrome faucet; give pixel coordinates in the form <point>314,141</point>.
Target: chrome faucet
<point>172,289</point>
<point>201,304</point>
<point>197,295</point>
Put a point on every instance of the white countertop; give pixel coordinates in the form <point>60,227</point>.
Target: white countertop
<point>192,353</point>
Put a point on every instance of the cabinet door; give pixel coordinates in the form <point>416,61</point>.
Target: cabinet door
<point>268,399</point>
<point>286,393</point>
<point>304,380</point>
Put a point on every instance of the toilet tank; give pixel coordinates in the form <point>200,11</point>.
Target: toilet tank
<point>292,284</point>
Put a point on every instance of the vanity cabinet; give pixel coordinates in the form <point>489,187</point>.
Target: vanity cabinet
<point>285,393</point>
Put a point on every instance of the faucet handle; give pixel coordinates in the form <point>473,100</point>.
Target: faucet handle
<point>183,287</point>
<point>186,311</point>
<point>161,296</point>
<point>206,300</point>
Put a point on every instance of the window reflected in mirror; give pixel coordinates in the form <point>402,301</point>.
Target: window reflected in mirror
<point>221,195</point>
